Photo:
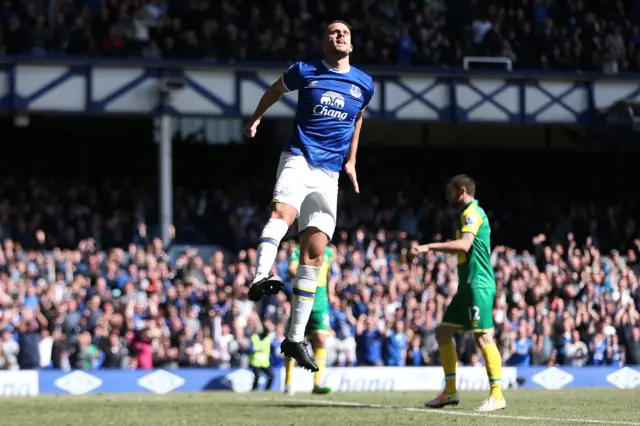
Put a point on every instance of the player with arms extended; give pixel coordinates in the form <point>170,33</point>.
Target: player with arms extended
<point>332,96</point>
<point>318,325</point>
<point>471,309</point>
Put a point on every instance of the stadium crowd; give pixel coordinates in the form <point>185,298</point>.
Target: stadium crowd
<point>548,34</point>
<point>84,283</point>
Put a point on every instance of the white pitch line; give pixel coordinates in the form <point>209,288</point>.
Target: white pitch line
<point>459,413</point>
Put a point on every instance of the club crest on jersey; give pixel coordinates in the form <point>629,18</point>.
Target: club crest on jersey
<point>330,105</point>
<point>355,91</point>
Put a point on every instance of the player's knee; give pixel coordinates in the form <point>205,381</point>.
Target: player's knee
<point>312,245</point>
<point>483,339</point>
<point>444,334</point>
<point>315,261</point>
<point>319,340</point>
<point>284,212</point>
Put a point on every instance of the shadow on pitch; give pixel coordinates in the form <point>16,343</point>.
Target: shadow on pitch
<point>296,405</point>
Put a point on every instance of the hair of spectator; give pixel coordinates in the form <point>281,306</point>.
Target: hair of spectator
<point>463,181</point>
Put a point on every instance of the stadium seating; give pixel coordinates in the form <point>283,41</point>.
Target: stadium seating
<point>79,256</point>
<point>562,35</point>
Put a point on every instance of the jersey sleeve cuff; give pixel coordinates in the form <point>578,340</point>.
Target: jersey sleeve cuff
<point>284,84</point>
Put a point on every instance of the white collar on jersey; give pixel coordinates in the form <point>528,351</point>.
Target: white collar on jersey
<point>330,68</point>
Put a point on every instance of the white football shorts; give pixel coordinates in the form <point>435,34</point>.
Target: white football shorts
<point>312,191</point>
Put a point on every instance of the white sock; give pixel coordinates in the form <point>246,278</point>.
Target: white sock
<point>273,232</point>
<point>304,291</point>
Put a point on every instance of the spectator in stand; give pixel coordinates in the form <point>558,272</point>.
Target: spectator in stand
<point>523,346</point>
<point>341,344</point>
<point>633,353</point>
<point>116,354</point>
<point>28,340</point>
<point>395,344</point>
<point>369,341</point>
<point>9,350</point>
<point>567,35</point>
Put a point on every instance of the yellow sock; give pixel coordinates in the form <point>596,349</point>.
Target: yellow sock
<point>320,356</point>
<point>493,362</point>
<point>288,375</point>
<point>449,359</point>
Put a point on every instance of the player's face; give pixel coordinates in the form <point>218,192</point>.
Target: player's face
<point>337,39</point>
<point>454,196</point>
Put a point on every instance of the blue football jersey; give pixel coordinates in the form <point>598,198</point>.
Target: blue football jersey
<point>328,103</point>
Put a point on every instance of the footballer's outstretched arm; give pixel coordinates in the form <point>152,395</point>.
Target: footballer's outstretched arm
<point>270,97</point>
<point>461,245</point>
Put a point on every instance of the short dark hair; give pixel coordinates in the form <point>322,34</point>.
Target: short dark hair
<point>339,21</point>
<point>463,181</point>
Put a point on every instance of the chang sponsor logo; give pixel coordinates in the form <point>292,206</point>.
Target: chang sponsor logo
<point>476,379</point>
<point>19,383</point>
<point>345,382</point>
<point>367,379</point>
<point>330,105</point>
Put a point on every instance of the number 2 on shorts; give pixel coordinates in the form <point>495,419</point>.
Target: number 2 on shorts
<point>474,313</point>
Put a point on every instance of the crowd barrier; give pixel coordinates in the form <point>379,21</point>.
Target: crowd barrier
<point>48,382</point>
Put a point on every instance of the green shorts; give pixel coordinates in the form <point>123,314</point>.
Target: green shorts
<point>471,309</point>
<point>318,322</point>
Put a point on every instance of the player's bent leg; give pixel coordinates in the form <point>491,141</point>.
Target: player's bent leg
<point>320,356</point>
<point>265,284</point>
<point>312,245</point>
<point>493,363</point>
<point>449,359</point>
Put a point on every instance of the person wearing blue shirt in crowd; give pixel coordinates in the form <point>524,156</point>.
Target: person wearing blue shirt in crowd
<point>332,97</point>
<point>598,347</point>
<point>29,339</point>
<point>396,344</point>
<point>414,353</point>
<point>343,323</point>
<point>277,360</point>
<point>615,352</point>
<point>369,339</point>
<point>524,346</point>
<point>360,301</point>
<point>562,340</point>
